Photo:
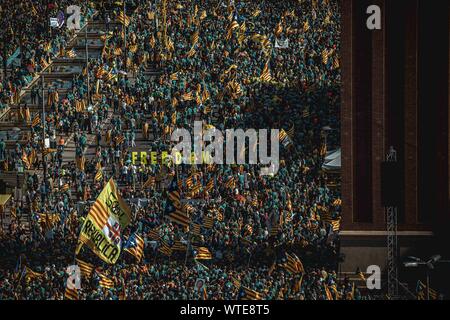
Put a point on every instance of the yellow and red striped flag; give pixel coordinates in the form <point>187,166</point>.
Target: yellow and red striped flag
<point>36,121</point>
<point>203,253</point>
<point>165,249</point>
<point>154,234</point>
<point>231,183</point>
<point>208,222</point>
<point>26,160</point>
<point>135,246</point>
<point>293,264</point>
<point>47,151</point>
<point>209,185</point>
<point>123,19</point>
<point>196,229</point>
<point>71,293</point>
<point>179,246</point>
<point>85,268</point>
<point>105,282</point>
<point>256,13</point>
<point>195,38</point>
<point>278,29</point>
<point>250,294</point>
<point>71,53</point>
<point>108,216</point>
<point>187,96</point>
<point>191,52</point>
<point>151,181</point>
<point>265,75</point>
<point>99,175</point>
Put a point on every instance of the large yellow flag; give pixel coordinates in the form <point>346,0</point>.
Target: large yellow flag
<point>102,228</point>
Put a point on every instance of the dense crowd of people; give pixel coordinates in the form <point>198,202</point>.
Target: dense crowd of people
<point>229,64</point>
<point>29,43</point>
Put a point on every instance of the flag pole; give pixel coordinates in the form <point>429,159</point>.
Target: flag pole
<point>189,235</point>
<point>44,165</point>
<point>188,246</point>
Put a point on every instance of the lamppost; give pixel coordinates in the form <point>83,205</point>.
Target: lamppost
<point>325,132</point>
<point>44,164</point>
<point>416,262</point>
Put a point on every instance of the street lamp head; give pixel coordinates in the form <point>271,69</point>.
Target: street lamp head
<point>415,259</point>
<point>435,258</point>
<point>411,264</point>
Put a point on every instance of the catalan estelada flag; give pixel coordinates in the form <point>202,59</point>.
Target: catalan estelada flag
<point>177,215</point>
<point>202,253</point>
<point>174,211</point>
<point>249,294</point>
<point>101,230</point>
<point>29,274</point>
<point>135,246</point>
<point>293,264</point>
<point>165,249</point>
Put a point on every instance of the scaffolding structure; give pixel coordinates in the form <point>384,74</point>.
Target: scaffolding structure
<point>392,240</point>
